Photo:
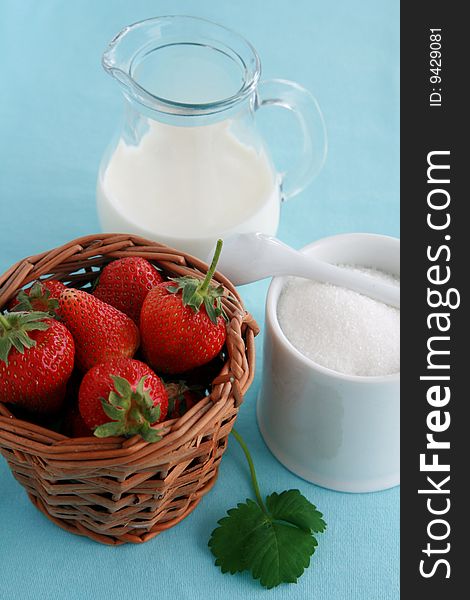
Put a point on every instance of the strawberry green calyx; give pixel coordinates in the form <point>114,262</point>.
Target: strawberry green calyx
<point>196,292</point>
<point>14,329</point>
<point>132,411</point>
<point>38,296</point>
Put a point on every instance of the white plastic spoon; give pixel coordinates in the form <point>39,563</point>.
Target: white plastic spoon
<point>249,257</point>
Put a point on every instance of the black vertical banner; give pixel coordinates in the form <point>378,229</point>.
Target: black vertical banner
<point>435,320</point>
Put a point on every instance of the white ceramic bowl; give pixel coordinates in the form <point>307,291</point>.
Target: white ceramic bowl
<point>338,431</point>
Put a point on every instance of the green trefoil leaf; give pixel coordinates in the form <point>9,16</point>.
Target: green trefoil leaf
<point>276,545</point>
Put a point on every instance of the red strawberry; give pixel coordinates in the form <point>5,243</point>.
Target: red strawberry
<point>101,332</point>
<point>36,361</point>
<point>41,296</point>
<point>123,397</point>
<point>181,323</point>
<point>124,283</point>
<point>181,398</point>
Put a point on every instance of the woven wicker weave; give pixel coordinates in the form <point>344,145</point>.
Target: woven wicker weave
<point>118,490</point>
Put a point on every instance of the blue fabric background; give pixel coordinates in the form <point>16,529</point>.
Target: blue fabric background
<point>58,111</point>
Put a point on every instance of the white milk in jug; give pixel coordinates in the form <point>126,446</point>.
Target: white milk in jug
<point>188,186</point>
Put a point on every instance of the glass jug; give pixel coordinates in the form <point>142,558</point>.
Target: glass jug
<point>189,164</point>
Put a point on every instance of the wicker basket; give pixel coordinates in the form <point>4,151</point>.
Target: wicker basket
<point>118,490</point>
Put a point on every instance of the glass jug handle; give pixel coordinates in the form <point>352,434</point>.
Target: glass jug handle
<point>294,97</point>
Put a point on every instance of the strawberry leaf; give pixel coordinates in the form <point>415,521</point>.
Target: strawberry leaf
<point>294,508</point>
<point>229,541</point>
<point>274,552</point>
<point>279,553</point>
<point>273,541</point>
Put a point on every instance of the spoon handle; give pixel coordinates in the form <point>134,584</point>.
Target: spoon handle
<point>312,268</point>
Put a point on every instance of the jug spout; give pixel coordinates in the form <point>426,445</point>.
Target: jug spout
<point>117,58</point>
<point>125,52</point>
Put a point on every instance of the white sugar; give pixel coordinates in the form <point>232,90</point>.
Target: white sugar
<point>341,329</point>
